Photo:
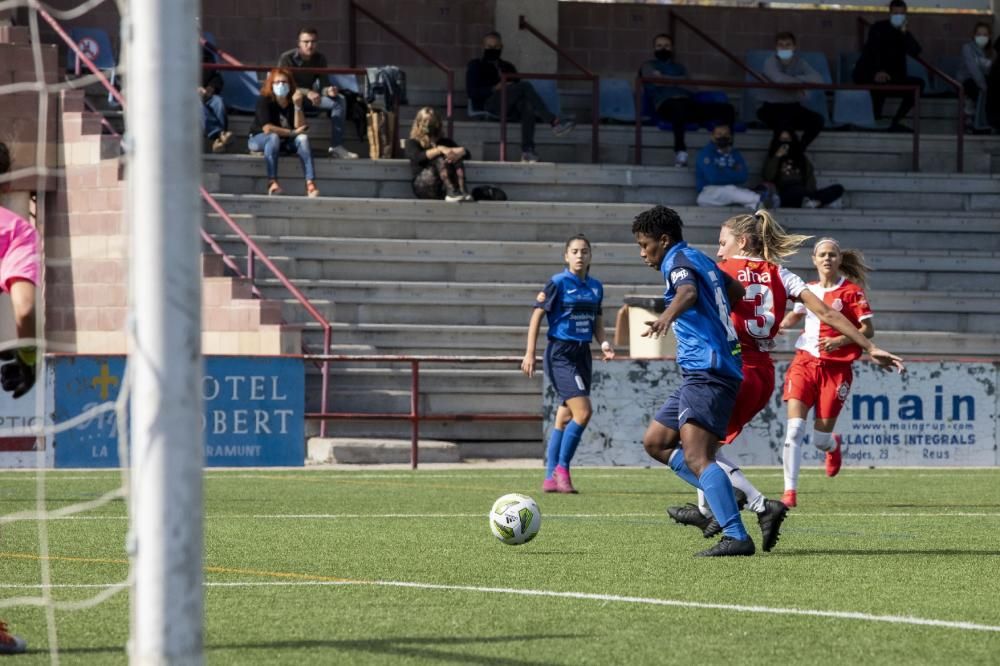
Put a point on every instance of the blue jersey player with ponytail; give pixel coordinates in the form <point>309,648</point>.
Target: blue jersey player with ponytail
<point>698,295</point>
<point>571,301</point>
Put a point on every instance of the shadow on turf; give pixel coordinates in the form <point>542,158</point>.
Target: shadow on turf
<point>883,551</point>
<point>418,647</point>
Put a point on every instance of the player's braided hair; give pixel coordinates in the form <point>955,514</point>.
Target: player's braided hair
<point>4,158</point>
<point>852,262</point>
<point>764,236</point>
<point>659,221</point>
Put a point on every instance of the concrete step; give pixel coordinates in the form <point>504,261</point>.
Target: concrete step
<point>307,257</point>
<point>605,183</point>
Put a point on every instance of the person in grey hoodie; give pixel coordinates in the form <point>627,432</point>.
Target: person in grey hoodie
<point>977,60</point>
<point>782,109</point>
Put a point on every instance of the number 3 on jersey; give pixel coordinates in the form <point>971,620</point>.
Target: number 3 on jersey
<point>762,323</point>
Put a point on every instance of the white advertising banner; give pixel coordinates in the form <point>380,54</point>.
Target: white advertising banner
<point>938,413</point>
<point>18,449</point>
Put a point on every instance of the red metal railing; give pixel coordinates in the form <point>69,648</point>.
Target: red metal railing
<point>252,247</point>
<point>642,80</point>
<point>586,75</point>
<point>675,18</point>
<point>415,416</point>
<point>863,24</point>
<point>449,73</point>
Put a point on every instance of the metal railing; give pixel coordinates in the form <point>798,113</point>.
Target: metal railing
<point>414,416</point>
<point>675,18</point>
<point>641,81</point>
<point>252,247</point>
<point>449,73</point>
<point>586,75</point>
<point>863,24</point>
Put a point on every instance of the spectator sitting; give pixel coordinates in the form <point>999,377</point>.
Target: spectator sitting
<point>214,123</point>
<point>791,172</point>
<point>883,60</point>
<point>977,60</point>
<point>436,161</point>
<point>280,125</point>
<point>319,93</point>
<point>783,109</point>
<point>482,84</point>
<point>993,93</point>
<point>674,104</point>
<point>721,171</point>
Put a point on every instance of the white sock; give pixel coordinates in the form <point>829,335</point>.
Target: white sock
<point>791,459</point>
<point>823,440</point>
<point>703,503</point>
<point>755,499</point>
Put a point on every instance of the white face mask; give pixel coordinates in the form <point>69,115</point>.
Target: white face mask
<point>280,89</point>
<point>982,41</point>
<point>786,54</point>
<point>897,20</point>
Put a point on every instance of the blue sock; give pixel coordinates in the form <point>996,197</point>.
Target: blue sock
<point>719,495</point>
<point>680,467</point>
<point>570,440</point>
<point>552,452</point>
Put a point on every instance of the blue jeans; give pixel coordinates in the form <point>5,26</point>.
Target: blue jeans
<point>213,116</point>
<point>272,146</point>
<point>337,106</point>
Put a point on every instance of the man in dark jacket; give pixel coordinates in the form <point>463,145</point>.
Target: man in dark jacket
<point>213,108</point>
<point>482,84</point>
<point>883,60</point>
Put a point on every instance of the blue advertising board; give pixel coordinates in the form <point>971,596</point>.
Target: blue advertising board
<point>254,410</point>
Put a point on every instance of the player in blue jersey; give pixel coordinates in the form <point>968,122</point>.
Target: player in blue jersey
<point>571,301</point>
<point>698,295</point>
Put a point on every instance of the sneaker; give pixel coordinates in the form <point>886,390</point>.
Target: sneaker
<point>833,459</point>
<point>810,203</point>
<point>341,153</point>
<point>563,483</point>
<point>770,520</point>
<point>729,547</point>
<point>466,197</point>
<point>9,643</point>
<point>549,486</point>
<point>311,190</point>
<point>561,127</point>
<point>790,499</point>
<point>454,197</point>
<point>680,158</point>
<point>222,141</point>
<point>836,203</point>
<point>528,156</point>
<point>274,188</point>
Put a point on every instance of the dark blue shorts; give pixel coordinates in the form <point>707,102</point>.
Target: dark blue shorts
<point>704,398</point>
<point>568,365</point>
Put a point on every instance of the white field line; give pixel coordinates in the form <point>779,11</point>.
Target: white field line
<point>403,516</point>
<point>587,596</point>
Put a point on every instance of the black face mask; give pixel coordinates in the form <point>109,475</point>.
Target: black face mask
<point>724,141</point>
<point>786,146</point>
<point>492,54</point>
<point>663,54</point>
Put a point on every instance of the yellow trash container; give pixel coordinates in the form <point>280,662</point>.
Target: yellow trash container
<point>640,310</point>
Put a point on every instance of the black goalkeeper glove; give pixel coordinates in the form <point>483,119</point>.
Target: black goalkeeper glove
<point>18,375</point>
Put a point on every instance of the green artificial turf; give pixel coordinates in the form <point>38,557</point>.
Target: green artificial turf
<point>299,553</point>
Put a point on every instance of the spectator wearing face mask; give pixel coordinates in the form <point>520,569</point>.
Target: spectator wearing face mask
<point>721,174</point>
<point>883,60</point>
<point>482,84</point>
<point>975,66</point>
<point>783,109</point>
<point>793,175</point>
<point>675,104</point>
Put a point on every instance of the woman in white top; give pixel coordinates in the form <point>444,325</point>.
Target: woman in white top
<point>977,60</point>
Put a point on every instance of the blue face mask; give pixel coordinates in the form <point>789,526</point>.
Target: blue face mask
<point>786,54</point>
<point>280,89</point>
<point>897,20</point>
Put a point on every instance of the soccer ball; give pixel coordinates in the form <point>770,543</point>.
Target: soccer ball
<point>515,519</point>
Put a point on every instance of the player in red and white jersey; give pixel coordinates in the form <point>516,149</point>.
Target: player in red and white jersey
<point>820,375</point>
<point>751,248</point>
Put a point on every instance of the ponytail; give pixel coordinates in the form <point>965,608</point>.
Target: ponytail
<point>765,236</point>
<point>852,263</point>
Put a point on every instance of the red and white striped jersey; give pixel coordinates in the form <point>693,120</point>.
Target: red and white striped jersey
<point>758,315</point>
<point>846,298</point>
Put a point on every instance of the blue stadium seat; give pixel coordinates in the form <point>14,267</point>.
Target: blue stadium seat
<point>851,107</point>
<point>549,93</point>
<point>345,82</point>
<point>478,114</point>
<point>617,101</point>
